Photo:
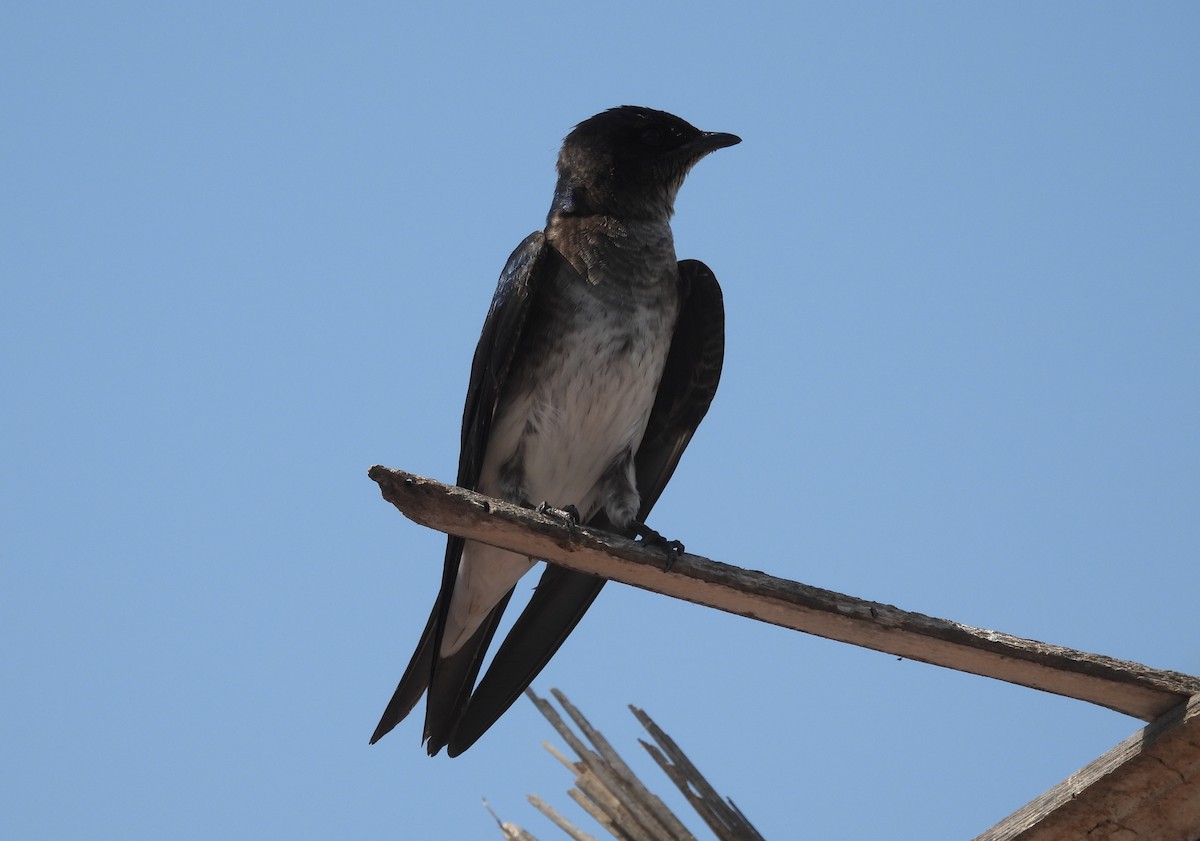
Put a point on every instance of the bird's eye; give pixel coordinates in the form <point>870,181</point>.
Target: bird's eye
<point>653,136</point>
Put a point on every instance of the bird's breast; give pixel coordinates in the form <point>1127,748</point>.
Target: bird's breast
<point>584,385</point>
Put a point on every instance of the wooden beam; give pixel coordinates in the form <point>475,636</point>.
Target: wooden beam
<point>1146,787</point>
<point>1127,687</point>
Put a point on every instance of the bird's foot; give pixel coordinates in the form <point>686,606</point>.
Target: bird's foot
<point>673,548</point>
<point>569,514</point>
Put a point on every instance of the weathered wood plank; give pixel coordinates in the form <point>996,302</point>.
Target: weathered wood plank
<point>1120,685</point>
<point>724,818</point>
<point>562,823</point>
<point>1146,787</point>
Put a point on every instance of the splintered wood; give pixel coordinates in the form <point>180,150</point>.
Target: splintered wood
<point>608,790</point>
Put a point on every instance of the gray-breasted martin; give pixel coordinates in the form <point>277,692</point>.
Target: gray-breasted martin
<point>598,359</point>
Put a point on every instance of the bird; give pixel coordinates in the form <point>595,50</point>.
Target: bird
<point>599,356</point>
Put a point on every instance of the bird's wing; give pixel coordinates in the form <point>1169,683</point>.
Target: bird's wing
<point>449,680</point>
<point>522,274</point>
<point>685,392</point>
<point>689,381</point>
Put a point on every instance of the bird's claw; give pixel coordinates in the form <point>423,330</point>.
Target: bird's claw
<point>672,548</point>
<point>568,514</point>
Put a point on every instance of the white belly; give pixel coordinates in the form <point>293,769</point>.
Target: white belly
<point>564,434</point>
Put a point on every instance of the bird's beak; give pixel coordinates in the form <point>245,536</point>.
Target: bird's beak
<point>710,141</point>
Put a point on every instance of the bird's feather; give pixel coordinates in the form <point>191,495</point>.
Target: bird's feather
<point>599,356</point>
<point>562,596</point>
<point>448,682</point>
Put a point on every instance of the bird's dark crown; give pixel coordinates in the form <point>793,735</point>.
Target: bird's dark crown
<point>629,162</point>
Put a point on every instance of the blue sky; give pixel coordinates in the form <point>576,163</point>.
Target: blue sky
<point>246,252</point>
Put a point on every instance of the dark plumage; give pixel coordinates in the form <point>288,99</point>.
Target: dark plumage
<point>599,357</point>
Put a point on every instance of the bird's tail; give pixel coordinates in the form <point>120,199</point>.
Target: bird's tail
<point>414,681</point>
<point>559,602</point>
<point>449,680</point>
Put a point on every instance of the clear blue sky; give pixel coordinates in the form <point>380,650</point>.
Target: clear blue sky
<point>246,252</point>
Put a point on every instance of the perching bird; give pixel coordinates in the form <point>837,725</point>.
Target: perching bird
<point>598,359</point>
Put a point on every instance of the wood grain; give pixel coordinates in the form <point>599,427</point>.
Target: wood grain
<point>1120,685</point>
<point>1147,787</point>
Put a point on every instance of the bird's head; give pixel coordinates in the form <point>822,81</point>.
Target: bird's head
<point>629,162</point>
